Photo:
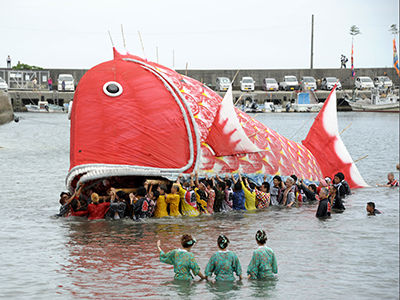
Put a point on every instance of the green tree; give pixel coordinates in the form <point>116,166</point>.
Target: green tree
<point>20,66</point>
<point>393,29</point>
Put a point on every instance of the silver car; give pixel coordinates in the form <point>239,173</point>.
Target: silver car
<point>3,85</point>
<point>308,83</point>
<point>222,84</point>
<point>328,83</point>
<point>364,82</point>
<point>382,82</point>
<point>270,84</point>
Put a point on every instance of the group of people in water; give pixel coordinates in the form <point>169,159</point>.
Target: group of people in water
<point>193,197</point>
<point>223,263</point>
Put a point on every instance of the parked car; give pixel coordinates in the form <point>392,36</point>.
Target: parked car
<point>222,84</point>
<point>328,83</point>
<point>308,83</point>
<point>364,82</point>
<point>69,82</point>
<point>289,83</point>
<point>382,82</point>
<point>247,84</point>
<point>270,84</point>
<point>3,85</point>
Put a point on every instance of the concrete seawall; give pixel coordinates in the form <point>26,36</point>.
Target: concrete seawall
<point>208,77</point>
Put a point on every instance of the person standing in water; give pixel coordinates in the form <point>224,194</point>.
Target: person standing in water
<point>263,264</point>
<point>392,181</point>
<point>224,262</point>
<point>182,260</point>
<point>372,211</point>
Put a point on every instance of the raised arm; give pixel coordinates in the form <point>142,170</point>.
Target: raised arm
<point>178,181</point>
<point>233,179</point>
<point>219,179</point>
<point>191,179</point>
<point>197,179</point>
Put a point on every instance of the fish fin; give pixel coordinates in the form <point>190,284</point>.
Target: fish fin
<point>324,142</point>
<point>227,136</point>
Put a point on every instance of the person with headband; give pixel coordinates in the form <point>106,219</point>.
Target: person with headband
<point>224,262</point>
<point>182,259</point>
<point>263,264</point>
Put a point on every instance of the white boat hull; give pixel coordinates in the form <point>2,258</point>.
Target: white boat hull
<point>307,107</point>
<point>37,109</point>
<point>390,107</point>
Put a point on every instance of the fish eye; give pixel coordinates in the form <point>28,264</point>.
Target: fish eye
<point>112,89</point>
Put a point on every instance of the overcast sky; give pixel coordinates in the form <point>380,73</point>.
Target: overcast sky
<point>205,34</point>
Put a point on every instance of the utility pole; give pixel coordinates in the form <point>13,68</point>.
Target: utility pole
<point>312,41</point>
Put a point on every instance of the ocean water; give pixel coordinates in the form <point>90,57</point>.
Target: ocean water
<point>350,256</point>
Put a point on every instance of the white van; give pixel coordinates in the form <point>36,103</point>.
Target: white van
<point>247,84</point>
<point>222,84</point>
<point>69,82</point>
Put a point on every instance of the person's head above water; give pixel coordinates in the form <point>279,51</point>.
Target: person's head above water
<point>277,180</point>
<point>323,193</point>
<point>223,241</point>
<point>187,241</point>
<point>261,237</point>
<point>390,177</point>
<point>338,177</point>
<point>370,207</point>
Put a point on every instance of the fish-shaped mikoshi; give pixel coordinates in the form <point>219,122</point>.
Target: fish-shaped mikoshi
<point>132,117</point>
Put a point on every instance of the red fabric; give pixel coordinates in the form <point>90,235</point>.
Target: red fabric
<point>143,126</point>
<point>81,213</point>
<point>322,146</point>
<point>98,211</point>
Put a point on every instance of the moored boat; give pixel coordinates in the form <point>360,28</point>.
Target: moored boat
<point>305,103</point>
<point>45,107</point>
<point>382,100</point>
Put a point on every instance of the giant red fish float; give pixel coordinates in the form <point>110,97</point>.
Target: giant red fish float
<point>132,117</point>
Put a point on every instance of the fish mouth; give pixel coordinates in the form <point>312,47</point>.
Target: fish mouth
<point>87,174</point>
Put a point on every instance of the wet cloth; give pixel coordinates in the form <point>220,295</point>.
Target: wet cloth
<point>263,263</point>
<point>337,202</point>
<point>290,197</point>
<point>239,200</point>
<point>161,207</point>
<point>63,210</point>
<point>227,202</point>
<point>343,189</point>
<point>250,197</point>
<point>211,199</point>
<point>173,201</point>
<point>98,211</point>
<point>324,208</point>
<point>394,182</point>
<point>189,203</point>
<point>182,261</point>
<point>141,208</point>
<point>223,264</point>
<point>262,198</point>
<point>274,192</point>
<point>117,210</point>
<point>219,199</point>
<point>202,198</point>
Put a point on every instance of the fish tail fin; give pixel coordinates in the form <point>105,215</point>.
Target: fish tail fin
<point>324,142</point>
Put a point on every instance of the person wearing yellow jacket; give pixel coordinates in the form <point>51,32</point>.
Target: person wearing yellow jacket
<point>250,197</point>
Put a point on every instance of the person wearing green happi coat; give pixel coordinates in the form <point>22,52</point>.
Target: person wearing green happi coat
<point>263,264</point>
<point>182,259</point>
<point>223,263</point>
